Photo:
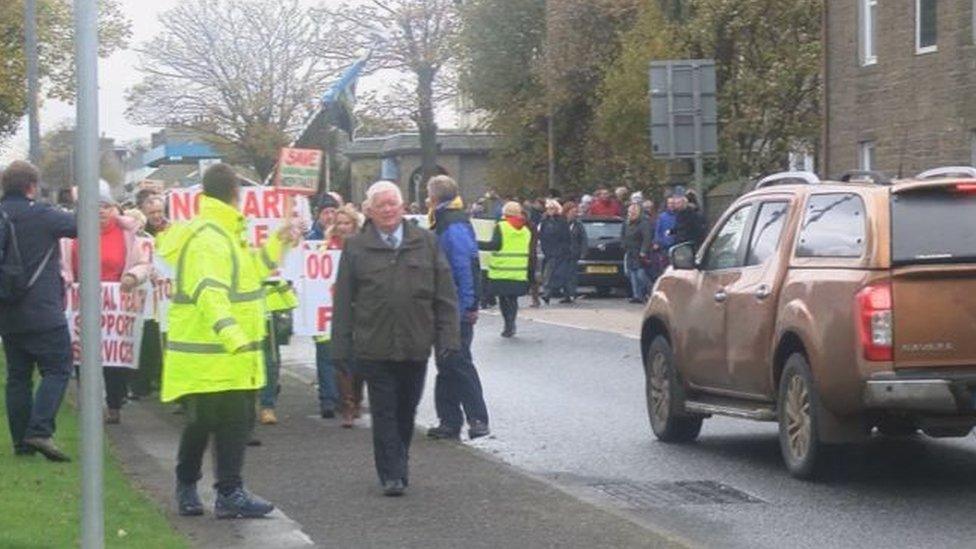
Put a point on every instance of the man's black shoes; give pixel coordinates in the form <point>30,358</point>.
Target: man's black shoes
<point>393,488</point>
<point>240,504</point>
<point>46,447</point>
<point>188,500</point>
<point>442,432</point>
<point>478,429</point>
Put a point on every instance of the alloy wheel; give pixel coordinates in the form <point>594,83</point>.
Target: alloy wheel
<point>798,422</point>
<point>660,386</point>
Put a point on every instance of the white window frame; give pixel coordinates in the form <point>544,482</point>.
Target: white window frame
<point>919,50</point>
<point>867,27</point>
<point>866,151</point>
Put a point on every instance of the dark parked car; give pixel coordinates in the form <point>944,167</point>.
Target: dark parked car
<point>602,265</point>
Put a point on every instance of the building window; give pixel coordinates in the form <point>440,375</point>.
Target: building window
<point>926,26</point>
<point>869,10</point>
<point>866,155</point>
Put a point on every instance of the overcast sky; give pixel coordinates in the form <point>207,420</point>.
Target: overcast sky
<point>115,75</point>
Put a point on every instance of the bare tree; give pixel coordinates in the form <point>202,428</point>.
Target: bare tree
<point>415,37</point>
<point>242,73</point>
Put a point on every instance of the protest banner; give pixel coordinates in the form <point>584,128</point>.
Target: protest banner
<point>299,169</point>
<point>266,208</point>
<point>315,286</point>
<point>123,314</point>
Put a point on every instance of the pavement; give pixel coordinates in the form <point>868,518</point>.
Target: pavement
<point>589,313</point>
<point>322,479</point>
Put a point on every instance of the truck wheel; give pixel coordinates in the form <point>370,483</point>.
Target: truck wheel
<point>799,402</point>
<point>665,397</point>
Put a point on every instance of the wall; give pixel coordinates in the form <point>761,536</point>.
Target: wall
<point>919,109</point>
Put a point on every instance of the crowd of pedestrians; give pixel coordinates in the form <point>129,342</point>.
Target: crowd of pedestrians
<point>401,294</point>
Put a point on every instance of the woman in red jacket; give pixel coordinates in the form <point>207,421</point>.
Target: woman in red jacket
<point>123,261</point>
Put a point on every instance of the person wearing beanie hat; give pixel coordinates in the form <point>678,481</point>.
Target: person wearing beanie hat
<point>105,193</point>
<point>325,215</point>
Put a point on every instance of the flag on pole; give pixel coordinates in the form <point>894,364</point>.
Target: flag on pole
<point>339,100</point>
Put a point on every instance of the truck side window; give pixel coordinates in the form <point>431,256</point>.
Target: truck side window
<point>833,226</point>
<point>766,232</point>
<point>723,252</point>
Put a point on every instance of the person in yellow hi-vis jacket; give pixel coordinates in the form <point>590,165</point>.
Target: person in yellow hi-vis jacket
<point>280,301</point>
<point>214,361</point>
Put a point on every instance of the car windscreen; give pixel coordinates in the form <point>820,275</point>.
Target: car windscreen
<point>602,230</point>
<point>934,226</point>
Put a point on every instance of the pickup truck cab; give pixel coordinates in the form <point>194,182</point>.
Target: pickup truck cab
<point>835,308</point>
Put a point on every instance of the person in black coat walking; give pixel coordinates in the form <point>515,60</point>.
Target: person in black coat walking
<point>554,239</point>
<point>637,238</point>
<point>34,328</point>
<point>578,246</point>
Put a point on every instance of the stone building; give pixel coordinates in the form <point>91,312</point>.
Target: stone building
<point>463,156</point>
<point>900,85</point>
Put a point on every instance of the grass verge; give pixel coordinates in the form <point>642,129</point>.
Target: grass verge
<point>40,502</point>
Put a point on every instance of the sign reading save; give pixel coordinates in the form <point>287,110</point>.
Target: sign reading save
<point>299,169</point>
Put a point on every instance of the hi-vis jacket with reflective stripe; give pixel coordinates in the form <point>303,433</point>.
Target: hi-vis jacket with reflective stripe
<point>281,297</point>
<point>511,262</point>
<point>216,317</point>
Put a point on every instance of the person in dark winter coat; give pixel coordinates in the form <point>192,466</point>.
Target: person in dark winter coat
<point>689,224</point>
<point>34,329</point>
<point>636,239</point>
<point>324,217</point>
<point>511,266</point>
<point>578,246</point>
<point>457,386</point>
<point>554,239</point>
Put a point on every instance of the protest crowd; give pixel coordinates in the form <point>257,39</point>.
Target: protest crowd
<point>203,286</point>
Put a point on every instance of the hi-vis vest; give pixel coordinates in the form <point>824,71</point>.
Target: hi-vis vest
<point>511,262</point>
<point>281,297</point>
<point>217,313</point>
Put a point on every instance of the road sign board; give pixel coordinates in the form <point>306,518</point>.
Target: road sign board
<point>684,117</point>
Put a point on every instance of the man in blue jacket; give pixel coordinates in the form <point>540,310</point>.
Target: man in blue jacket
<point>457,384</point>
<point>34,328</point>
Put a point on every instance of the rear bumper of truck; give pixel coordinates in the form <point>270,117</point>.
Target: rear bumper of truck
<point>936,396</point>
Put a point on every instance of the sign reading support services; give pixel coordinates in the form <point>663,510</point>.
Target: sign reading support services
<point>123,314</point>
<point>299,169</point>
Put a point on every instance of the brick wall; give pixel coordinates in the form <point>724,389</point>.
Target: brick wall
<point>919,109</point>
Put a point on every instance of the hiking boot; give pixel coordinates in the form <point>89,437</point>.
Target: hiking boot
<point>240,504</point>
<point>113,417</point>
<point>188,500</point>
<point>442,432</point>
<point>46,447</point>
<point>268,416</point>
<point>393,488</point>
<point>478,429</point>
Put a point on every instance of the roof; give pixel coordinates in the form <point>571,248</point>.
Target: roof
<point>409,143</point>
<point>178,153</point>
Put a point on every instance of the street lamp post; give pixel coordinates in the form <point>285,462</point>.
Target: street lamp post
<point>30,51</point>
<point>86,158</point>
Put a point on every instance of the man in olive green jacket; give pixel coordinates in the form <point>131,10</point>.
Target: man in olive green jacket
<point>394,300</point>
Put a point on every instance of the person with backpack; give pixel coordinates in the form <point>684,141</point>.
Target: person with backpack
<point>32,320</point>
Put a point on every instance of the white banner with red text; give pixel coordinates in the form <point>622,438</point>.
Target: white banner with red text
<point>123,314</point>
<point>314,285</point>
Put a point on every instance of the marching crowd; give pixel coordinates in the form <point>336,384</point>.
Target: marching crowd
<point>401,293</point>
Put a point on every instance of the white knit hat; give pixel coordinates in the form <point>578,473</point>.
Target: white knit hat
<point>105,193</point>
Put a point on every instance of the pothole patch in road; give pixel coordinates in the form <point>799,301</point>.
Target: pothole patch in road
<point>639,495</point>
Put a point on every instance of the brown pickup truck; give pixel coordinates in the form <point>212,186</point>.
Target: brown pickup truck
<point>833,307</point>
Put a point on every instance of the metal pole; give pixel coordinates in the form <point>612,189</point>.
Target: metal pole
<point>30,50</point>
<point>86,146</point>
<point>327,153</point>
<point>551,114</point>
<point>697,106</point>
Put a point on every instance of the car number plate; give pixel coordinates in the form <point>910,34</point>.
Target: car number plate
<point>601,269</point>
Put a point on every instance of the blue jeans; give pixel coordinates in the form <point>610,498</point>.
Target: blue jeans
<point>638,280</point>
<point>325,367</point>
<point>32,415</point>
<point>458,386</point>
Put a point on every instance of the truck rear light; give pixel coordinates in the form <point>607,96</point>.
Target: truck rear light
<point>966,188</point>
<point>874,315</point>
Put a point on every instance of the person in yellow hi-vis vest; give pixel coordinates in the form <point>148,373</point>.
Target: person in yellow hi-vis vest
<point>281,300</point>
<point>509,267</point>
<point>214,362</point>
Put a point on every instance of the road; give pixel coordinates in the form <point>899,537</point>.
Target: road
<point>567,405</point>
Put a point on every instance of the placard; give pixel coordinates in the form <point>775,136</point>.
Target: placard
<point>123,314</point>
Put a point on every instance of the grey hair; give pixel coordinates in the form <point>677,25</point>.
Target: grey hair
<point>442,188</point>
<point>381,187</point>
